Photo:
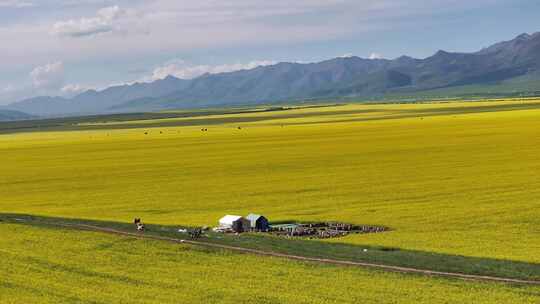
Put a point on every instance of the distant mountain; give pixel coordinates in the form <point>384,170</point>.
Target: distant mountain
<point>507,63</point>
<point>9,115</point>
<point>42,106</point>
<point>92,101</point>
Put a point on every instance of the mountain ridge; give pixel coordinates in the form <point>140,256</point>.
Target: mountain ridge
<point>10,115</point>
<point>338,77</point>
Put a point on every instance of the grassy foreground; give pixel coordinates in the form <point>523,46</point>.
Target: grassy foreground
<point>42,265</point>
<point>389,256</point>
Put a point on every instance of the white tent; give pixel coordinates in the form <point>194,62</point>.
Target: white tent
<point>235,222</point>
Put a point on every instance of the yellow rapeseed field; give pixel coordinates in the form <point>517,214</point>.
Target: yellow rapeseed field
<point>452,178</point>
<point>66,266</point>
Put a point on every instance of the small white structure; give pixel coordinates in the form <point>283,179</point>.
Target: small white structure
<point>235,223</point>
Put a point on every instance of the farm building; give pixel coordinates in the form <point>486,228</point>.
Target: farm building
<point>235,222</point>
<point>258,222</point>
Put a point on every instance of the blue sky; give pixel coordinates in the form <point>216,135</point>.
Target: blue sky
<point>63,47</point>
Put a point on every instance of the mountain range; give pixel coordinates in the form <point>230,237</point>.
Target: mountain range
<point>9,115</point>
<point>503,64</point>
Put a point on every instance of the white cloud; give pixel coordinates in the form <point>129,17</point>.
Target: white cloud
<point>141,32</point>
<point>8,89</point>
<point>375,56</point>
<point>49,76</point>
<point>73,89</point>
<point>348,55</point>
<point>154,28</point>
<point>103,22</point>
<point>184,70</point>
<point>10,93</point>
<point>15,4</point>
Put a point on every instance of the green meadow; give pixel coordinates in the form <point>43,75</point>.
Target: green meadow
<point>66,266</point>
<point>455,179</point>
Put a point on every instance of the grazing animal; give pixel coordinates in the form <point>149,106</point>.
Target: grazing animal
<point>138,223</point>
<point>195,233</point>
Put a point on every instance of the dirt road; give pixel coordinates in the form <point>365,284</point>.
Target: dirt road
<point>301,258</point>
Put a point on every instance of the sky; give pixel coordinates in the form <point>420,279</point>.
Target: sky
<point>64,47</point>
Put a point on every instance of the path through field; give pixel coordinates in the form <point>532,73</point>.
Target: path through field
<point>296,257</point>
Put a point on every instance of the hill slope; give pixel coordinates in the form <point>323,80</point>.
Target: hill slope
<point>9,115</point>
